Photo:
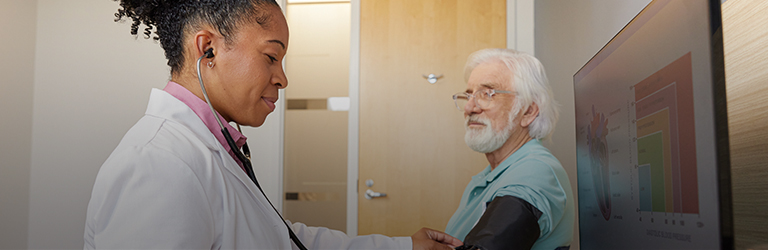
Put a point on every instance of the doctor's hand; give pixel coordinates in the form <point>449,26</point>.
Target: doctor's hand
<point>432,239</point>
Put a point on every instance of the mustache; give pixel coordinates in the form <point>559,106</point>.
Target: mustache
<point>475,118</point>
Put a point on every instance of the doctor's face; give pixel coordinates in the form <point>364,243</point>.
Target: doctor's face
<point>249,71</point>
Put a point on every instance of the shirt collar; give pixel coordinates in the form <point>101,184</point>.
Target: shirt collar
<point>201,109</point>
<point>491,175</point>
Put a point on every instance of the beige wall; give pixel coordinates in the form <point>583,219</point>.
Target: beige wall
<point>568,34</point>
<point>17,19</point>
<point>92,82</point>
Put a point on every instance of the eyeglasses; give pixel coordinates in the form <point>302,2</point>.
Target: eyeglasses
<point>483,98</point>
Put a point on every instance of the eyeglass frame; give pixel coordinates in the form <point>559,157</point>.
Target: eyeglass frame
<point>489,92</point>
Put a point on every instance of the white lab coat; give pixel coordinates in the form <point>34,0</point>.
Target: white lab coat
<point>170,184</point>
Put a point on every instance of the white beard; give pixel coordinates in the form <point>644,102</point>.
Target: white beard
<point>486,140</point>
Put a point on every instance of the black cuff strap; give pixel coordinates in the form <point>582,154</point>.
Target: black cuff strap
<point>508,223</point>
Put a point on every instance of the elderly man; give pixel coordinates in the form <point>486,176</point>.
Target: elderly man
<point>523,199</point>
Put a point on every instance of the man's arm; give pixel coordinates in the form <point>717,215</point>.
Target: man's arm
<point>508,223</point>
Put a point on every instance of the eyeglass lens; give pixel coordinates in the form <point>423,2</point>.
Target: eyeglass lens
<point>461,101</point>
<point>481,99</point>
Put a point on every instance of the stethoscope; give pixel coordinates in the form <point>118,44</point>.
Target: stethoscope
<point>245,156</point>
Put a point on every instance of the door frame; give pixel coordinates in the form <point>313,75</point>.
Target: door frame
<point>520,36</point>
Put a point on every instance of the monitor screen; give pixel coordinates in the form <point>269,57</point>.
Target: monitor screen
<point>652,146</point>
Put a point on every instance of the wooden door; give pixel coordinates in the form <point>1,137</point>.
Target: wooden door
<point>411,134</point>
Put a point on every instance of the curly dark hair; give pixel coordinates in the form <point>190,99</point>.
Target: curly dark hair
<point>170,19</point>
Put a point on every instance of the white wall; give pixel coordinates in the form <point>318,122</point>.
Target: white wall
<point>520,26</point>
<point>17,19</point>
<point>92,83</point>
<point>568,34</point>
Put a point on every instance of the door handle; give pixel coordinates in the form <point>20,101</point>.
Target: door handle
<point>432,78</point>
<point>370,194</point>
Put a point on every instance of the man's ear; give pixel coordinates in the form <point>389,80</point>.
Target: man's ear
<point>529,115</point>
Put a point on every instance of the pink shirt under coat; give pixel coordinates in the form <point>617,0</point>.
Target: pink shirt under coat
<point>200,107</point>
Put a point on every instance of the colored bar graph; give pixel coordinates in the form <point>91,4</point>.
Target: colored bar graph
<point>666,141</point>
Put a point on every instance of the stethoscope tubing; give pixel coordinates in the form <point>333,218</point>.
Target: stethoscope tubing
<point>202,87</point>
<point>246,162</point>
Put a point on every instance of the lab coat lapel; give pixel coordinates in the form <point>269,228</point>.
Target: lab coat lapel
<point>166,106</point>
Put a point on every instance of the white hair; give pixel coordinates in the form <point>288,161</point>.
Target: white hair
<point>531,85</point>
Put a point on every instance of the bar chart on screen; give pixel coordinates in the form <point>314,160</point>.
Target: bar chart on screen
<point>666,154</point>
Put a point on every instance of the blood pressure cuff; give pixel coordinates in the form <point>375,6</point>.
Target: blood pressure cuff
<point>507,223</point>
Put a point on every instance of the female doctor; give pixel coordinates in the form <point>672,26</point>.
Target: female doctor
<point>178,179</point>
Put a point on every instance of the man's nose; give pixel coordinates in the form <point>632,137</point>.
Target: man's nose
<point>471,107</point>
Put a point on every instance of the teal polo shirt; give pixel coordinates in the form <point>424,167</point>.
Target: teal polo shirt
<point>532,174</point>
